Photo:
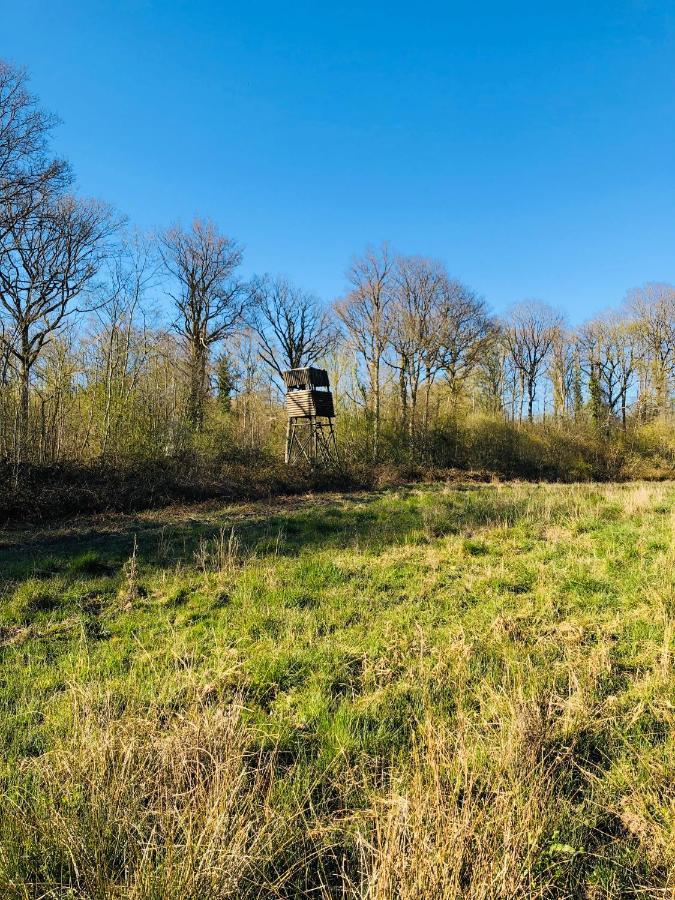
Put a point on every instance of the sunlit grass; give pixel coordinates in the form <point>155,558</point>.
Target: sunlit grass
<point>433,691</point>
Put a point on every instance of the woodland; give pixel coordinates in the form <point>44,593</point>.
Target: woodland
<point>137,368</point>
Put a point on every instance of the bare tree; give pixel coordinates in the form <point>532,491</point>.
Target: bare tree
<point>529,334</point>
<point>293,328</point>
<point>365,314</point>
<point>27,173</point>
<point>491,375</point>
<point>466,330</point>
<point>53,386</point>
<point>47,258</point>
<point>654,307</point>
<point>562,372</point>
<point>416,332</point>
<point>209,298</point>
<point>118,336</point>
<point>249,387</point>
<point>609,355</point>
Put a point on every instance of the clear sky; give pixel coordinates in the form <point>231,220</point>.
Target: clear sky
<point>530,146</point>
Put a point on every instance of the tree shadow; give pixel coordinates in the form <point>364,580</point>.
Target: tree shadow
<point>284,527</point>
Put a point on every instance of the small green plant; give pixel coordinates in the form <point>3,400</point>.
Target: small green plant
<point>90,562</point>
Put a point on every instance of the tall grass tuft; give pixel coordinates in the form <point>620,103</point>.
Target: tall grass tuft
<point>146,806</point>
<point>462,826</point>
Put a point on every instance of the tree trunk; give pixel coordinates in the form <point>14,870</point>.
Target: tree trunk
<point>24,398</point>
<point>377,402</point>
<point>662,388</point>
<point>427,393</point>
<point>403,393</point>
<point>197,386</point>
<point>413,406</point>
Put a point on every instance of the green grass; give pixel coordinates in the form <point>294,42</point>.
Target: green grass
<point>443,691</point>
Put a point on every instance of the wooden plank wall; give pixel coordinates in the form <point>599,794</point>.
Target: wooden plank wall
<point>310,403</point>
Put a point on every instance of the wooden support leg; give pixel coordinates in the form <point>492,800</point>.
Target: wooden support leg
<point>289,429</point>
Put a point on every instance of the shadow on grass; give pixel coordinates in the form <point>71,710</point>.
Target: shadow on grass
<point>286,527</point>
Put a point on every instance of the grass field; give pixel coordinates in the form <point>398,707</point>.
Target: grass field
<point>446,691</point>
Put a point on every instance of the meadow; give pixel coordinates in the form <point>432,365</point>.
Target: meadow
<point>443,691</point>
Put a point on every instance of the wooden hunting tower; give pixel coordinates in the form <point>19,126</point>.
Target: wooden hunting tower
<point>309,407</point>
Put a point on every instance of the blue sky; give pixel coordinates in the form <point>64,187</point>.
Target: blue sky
<point>530,146</point>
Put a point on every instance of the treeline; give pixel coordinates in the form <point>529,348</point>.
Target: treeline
<point>116,348</point>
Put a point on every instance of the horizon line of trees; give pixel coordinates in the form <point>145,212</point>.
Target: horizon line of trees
<point>92,365</point>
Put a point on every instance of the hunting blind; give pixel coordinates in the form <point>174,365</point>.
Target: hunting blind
<point>309,408</point>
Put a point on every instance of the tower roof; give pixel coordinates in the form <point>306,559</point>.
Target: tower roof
<point>305,378</point>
